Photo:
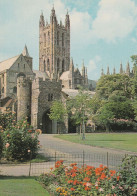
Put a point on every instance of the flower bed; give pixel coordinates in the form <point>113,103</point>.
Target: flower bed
<point>88,180</point>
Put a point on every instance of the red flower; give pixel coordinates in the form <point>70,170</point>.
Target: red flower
<point>73,175</point>
<point>87,179</point>
<point>87,188</point>
<point>72,189</point>
<point>73,164</point>
<point>75,182</point>
<point>118,178</point>
<point>70,181</point>
<point>88,172</point>
<point>103,176</point>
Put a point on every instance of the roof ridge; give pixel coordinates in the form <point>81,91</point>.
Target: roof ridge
<point>10,58</point>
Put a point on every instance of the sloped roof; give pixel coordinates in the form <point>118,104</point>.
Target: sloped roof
<point>40,74</point>
<point>65,75</point>
<point>74,92</point>
<point>8,63</point>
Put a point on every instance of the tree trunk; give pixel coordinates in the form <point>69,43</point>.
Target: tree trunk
<point>80,129</point>
<point>107,128</point>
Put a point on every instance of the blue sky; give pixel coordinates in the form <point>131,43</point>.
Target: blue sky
<point>103,32</point>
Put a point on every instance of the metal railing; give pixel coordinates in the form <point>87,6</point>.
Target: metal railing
<point>112,161</point>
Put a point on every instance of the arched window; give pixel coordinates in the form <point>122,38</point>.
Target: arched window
<point>58,62</point>
<point>14,89</point>
<point>44,65</point>
<point>62,39</point>
<point>63,66</point>
<point>48,65</point>
<point>57,38</point>
<point>48,36</point>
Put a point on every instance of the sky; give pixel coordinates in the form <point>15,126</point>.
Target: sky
<point>103,32</point>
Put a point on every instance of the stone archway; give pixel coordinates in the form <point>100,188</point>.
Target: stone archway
<point>46,123</point>
<point>71,126</point>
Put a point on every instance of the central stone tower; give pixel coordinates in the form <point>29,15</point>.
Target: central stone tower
<point>54,45</point>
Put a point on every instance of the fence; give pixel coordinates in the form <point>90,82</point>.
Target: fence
<point>112,161</point>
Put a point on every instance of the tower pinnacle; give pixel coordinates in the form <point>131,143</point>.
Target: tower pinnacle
<point>25,51</point>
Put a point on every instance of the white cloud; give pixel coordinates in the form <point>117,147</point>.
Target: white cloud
<point>115,19</point>
<point>134,40</point>
<point>80,27</point>
<point>93,64</point>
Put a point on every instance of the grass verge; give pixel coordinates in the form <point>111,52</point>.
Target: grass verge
<point>123,141</point>
<point>21,186</point>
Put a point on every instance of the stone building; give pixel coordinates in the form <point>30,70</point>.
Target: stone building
<point>30,92</point>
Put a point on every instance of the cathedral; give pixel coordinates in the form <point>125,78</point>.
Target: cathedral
<point>30,92</point>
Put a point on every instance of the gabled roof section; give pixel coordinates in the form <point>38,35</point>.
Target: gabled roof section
<point>73,92</point>
<point>40,74</point>
<point>65,75</point>
<point>8,63</point>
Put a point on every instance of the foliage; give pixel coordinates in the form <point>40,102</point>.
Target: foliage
<point>1,145</point>
<point>79,108</point>
<point>108,84</point>
<point>57,111</point>
<point>19,143</point>
<point>114,100</point>
<point>88,180</point>
<point>117,107</point>
<point>7,119</point>
<point>128,177</point>
<point>17,140</point>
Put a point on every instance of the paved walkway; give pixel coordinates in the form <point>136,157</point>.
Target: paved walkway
<point>81,153</point>
<point>70,152</point>
<point>55,144</point>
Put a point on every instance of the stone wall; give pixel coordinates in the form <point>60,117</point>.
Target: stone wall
<point>43,93</point>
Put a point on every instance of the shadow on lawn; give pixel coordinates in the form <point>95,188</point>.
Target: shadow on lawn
<point>2,177</point>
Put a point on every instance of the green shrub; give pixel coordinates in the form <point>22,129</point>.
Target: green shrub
<point>127,184</point>
<point>7,119</point>
<point>20,143</point>
<point>1,145</point>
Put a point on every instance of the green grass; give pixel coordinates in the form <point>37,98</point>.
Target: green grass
<point>21,186</point>
<point>123,141</point>
<point>39,158</point>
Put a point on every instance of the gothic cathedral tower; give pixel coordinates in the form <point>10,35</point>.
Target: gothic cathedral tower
<point>54,45</point>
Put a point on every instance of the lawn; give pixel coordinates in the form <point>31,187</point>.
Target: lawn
<point>21,186</point>
<point>123,141</point>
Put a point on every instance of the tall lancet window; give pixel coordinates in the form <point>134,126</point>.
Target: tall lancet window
<point>58,38</point>
<point>62,39</point>
<point>58,62</point>
<point>44,65</point>
<point>48,65</point>
<point>48,37</point>
<point>63,66</point>
<point>44,39</point>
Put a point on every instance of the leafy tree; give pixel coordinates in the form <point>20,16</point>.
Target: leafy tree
<point>117,107</point>
<point>80,109</point>
<point>114,95</point>
<point>58,112</point>
<point>109,83</point>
